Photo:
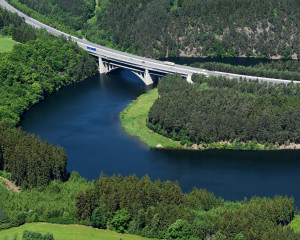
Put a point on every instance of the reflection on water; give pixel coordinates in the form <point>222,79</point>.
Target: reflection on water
<point>84,119</point>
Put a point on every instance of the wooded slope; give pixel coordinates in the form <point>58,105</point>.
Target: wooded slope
<point>160,28</point>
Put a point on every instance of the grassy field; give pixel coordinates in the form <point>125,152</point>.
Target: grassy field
<point>67,232</point>
<point>6,44</point>
<point>134,117</point>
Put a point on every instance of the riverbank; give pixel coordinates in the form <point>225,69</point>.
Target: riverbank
<point>134,121</point>
<point>134,118</point>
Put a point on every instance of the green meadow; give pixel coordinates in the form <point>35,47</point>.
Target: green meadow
<point>66,232</point>
<point>134,119</point>
<point>6,44</point>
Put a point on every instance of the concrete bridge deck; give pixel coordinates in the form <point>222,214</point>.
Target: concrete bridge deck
<point>110,59</point>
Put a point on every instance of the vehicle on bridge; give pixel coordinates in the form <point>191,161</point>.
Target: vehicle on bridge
<point>91,48</point>
<point>169,63</point>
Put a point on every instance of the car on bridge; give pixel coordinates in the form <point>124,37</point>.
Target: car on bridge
<point>91,48</point>
<point>169,63</point>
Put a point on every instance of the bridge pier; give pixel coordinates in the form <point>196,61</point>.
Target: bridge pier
<point>102,66</point>
<point>189,79</point>
<point>105,67</point>
<point>144,76</point>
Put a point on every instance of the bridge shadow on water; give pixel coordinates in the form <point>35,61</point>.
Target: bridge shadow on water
<point>132,78</point>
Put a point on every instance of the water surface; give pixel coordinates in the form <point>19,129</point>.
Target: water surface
<point>84,119</point>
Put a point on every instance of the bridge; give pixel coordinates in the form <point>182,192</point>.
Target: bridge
<point>145,68</point>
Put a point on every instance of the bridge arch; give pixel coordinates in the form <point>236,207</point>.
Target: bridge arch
<point>105,66</point>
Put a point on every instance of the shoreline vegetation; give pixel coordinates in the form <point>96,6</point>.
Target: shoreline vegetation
<point>134,119</point>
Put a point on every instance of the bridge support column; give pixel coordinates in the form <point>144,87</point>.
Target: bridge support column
<point>189,79</point>
<point>148,79</point>
<point>102,67</point>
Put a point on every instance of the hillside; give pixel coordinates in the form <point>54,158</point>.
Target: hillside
<point>166,28</point>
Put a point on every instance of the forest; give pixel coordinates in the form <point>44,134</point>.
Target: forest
<point>149,208</point>
<point>289,70</point>
<point>217,109</point>
<point>168,28</point>
<point>30,161</point>
<point>28,74</point>
<point>32,71</point>
<point>13,25</point>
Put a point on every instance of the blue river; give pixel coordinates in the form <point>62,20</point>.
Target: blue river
<point>84,119</point>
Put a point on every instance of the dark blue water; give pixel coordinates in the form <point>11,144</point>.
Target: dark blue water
<point>84,119</point>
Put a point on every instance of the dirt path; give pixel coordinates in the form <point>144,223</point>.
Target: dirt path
<point>11,186</point>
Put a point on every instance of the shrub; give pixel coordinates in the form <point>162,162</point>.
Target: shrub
<point>121,220</point>
<point>98,218</point>
<point>28,235</point>
<point>181,229</point>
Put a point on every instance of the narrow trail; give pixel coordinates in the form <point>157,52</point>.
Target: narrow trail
<point>11,186</point>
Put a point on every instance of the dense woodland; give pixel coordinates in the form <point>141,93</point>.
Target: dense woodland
<point>33,71</point>
<point>160,28</point>
<point>289,70</point>
<point>13,25</point>
<point>224,110</point>
<point>30,161</point>
<point>153,209</point>
<point>28,74</point>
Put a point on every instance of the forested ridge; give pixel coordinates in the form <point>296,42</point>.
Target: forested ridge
<point>167,28</point>
<point>230,111</point>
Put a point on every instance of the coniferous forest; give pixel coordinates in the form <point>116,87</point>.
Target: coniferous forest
<point>225,110</point>
<point>168,28</point>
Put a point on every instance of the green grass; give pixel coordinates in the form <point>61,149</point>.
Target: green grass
<point>295,224</point>
<point>6,44</point>
<point>67,232</point>
<point>134,117</point>
<point>175,5</point>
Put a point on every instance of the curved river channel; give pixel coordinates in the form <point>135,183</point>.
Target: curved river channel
<point>84,119</point>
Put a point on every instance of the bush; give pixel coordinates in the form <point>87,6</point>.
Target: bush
<point>121,220</point>
<point>28,235</point>
<point>19,219</point>
<point>181,229</point>
<point>98,218</point>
